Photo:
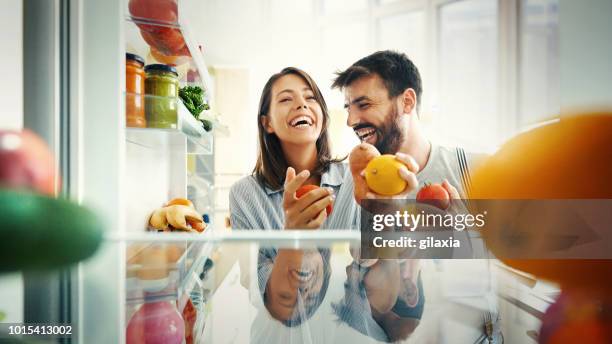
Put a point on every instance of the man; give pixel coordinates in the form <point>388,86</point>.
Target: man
<point>382,96</point>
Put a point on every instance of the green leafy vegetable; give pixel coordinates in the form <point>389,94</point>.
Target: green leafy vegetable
<point>207,124</point>
<point>193,98</point>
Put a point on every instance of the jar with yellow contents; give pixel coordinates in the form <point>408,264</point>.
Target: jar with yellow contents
<point>161,87</point>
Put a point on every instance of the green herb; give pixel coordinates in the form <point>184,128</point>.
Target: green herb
<point>207,124</point>
<point>193,98</point>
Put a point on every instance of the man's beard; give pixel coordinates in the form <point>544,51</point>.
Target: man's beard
<point>390,134</point>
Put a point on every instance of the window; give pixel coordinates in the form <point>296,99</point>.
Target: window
<point>404,32</point>
<point>467,93</point>
<point>538,61</point>
<point>343,6</point>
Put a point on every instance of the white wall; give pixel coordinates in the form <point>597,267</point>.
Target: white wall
<point>11,117</point>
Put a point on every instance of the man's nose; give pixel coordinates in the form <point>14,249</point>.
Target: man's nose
<point>352,119</point>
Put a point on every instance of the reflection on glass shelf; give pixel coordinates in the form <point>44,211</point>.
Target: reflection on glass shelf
<point>244,295</point>
<point>169,124</point>
<point>165,271</point>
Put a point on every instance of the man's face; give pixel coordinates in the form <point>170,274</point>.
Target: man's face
<point>373,116</point>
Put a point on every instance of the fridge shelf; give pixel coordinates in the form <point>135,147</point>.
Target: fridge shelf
<point>170,43</point>
<point>179,124</point>
<point>153,275</point>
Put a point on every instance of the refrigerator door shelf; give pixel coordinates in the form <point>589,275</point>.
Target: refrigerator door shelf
<point>152,279</point>
<point>184,127</point>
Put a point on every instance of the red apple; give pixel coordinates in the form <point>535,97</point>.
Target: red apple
<point>26,162</point>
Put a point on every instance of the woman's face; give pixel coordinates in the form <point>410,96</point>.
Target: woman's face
<point>298,274</point>
<point>295,115</point>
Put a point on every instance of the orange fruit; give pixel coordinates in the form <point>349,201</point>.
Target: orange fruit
<point>568,159</point>
<point>382,175</point>
<point>180,201</point>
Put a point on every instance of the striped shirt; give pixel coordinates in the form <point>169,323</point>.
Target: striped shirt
<point>256,206</point>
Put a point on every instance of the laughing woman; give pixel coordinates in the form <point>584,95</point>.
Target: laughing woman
<point>292,127</point>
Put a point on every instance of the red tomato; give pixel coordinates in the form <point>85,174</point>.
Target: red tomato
<point>434,194</point>
<point>304,189</point>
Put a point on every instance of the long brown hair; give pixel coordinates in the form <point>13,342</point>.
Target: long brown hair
<point>271,164</point>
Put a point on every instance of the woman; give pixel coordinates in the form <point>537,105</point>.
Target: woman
<point>292,126</point>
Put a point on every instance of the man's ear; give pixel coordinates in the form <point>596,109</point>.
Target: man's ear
<point>265,122</point>
<point>409,100</point>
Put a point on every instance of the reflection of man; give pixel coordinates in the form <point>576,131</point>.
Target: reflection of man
<point>382,96</point>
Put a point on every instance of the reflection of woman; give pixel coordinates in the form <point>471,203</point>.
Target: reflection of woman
<point>293,283</point>
<point>384,301</point>
<point>292,127</point>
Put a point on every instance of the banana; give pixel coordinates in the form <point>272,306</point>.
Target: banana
<point>177,216</point>
<point>158,219</point>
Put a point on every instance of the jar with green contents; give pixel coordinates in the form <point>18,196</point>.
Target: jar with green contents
<point>161,88</point>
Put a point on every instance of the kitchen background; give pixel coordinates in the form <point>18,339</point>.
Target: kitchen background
<point>490,68</point>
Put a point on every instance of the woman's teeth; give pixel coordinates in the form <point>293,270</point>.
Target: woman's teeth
<point>301,122</point>
<point>303,275</point>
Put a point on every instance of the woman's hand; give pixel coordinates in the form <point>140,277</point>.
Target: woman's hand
<point>307,212</point>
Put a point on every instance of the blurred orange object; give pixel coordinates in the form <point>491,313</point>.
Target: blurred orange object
<point>568,159</point>
<point>172,60</point>
<point>26,162</point>
<point>180,201</point>
<point>135,90</point>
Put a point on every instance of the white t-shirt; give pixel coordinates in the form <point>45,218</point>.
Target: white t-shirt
<point>452,164</point>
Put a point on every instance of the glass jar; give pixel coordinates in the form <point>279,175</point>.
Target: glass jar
<point>161,87</point>
<point>135,88</point>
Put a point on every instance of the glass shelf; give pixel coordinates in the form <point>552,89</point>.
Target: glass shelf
<point>155,274</point>
<point>165,38</point>
<point>199,141</point>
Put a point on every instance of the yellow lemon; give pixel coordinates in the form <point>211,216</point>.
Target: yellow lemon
<point>382,175</point>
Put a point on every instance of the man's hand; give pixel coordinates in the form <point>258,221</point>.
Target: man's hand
<point>307,212</point>
<point>407,173</point>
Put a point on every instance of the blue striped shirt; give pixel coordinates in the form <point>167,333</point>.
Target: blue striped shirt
<point>256,206</point>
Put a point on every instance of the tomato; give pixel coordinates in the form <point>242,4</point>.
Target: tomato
<point>304,189</point>
<point>434,194</point>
